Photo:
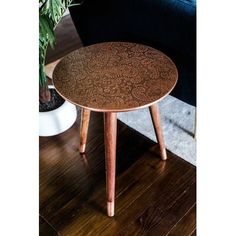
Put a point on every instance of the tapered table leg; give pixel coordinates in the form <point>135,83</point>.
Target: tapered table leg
<point>157,126</point>
<point>84,124</point>
<point>110,129</point>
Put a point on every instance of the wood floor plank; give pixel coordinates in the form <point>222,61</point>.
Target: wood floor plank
<point>89,221</point>
<point>159,221</point>
<point>187,225</point>
<point>147,210</point>
<point>72,186</point>
<point>178,211</point>
<point>62,170</point>
<point>129,187</point>
<point>46,229</point>
<point>64,173</point>
<point>98,193</point>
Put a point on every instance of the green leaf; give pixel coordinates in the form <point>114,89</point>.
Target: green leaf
<point>46,29</point>
<point>50,13</point>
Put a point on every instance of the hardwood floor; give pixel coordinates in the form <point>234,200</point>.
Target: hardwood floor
<point>45,229</point>
<point>153,197</point>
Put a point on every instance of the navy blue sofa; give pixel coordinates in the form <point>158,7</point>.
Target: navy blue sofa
<point>168,25</point>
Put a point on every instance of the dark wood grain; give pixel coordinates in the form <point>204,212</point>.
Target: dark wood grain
<point>45,229</point>
<point>73,186</point>
<point>187,225</point>
<point>176,212</point>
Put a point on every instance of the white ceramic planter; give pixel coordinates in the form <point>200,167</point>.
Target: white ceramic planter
<point>57,121</point>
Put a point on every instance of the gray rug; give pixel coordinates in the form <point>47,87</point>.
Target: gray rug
<point>177,119</point>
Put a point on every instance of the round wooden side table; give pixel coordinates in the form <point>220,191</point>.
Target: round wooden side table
<point>115,77</point>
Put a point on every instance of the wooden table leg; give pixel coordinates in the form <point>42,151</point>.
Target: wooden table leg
<point>84,124</point>
<point>110,129</point>
<point>157,126</point>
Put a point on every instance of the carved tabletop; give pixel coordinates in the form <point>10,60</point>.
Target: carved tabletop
<point>115,76</point>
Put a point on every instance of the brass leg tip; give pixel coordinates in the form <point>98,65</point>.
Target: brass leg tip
<point>82,148</point>
<point>164,156</point>
<point>110,209</point>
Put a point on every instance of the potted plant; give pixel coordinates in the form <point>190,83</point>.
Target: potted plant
<point>55,114</point>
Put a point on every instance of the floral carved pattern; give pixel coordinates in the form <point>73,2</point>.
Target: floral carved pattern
<point>115,76</point>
